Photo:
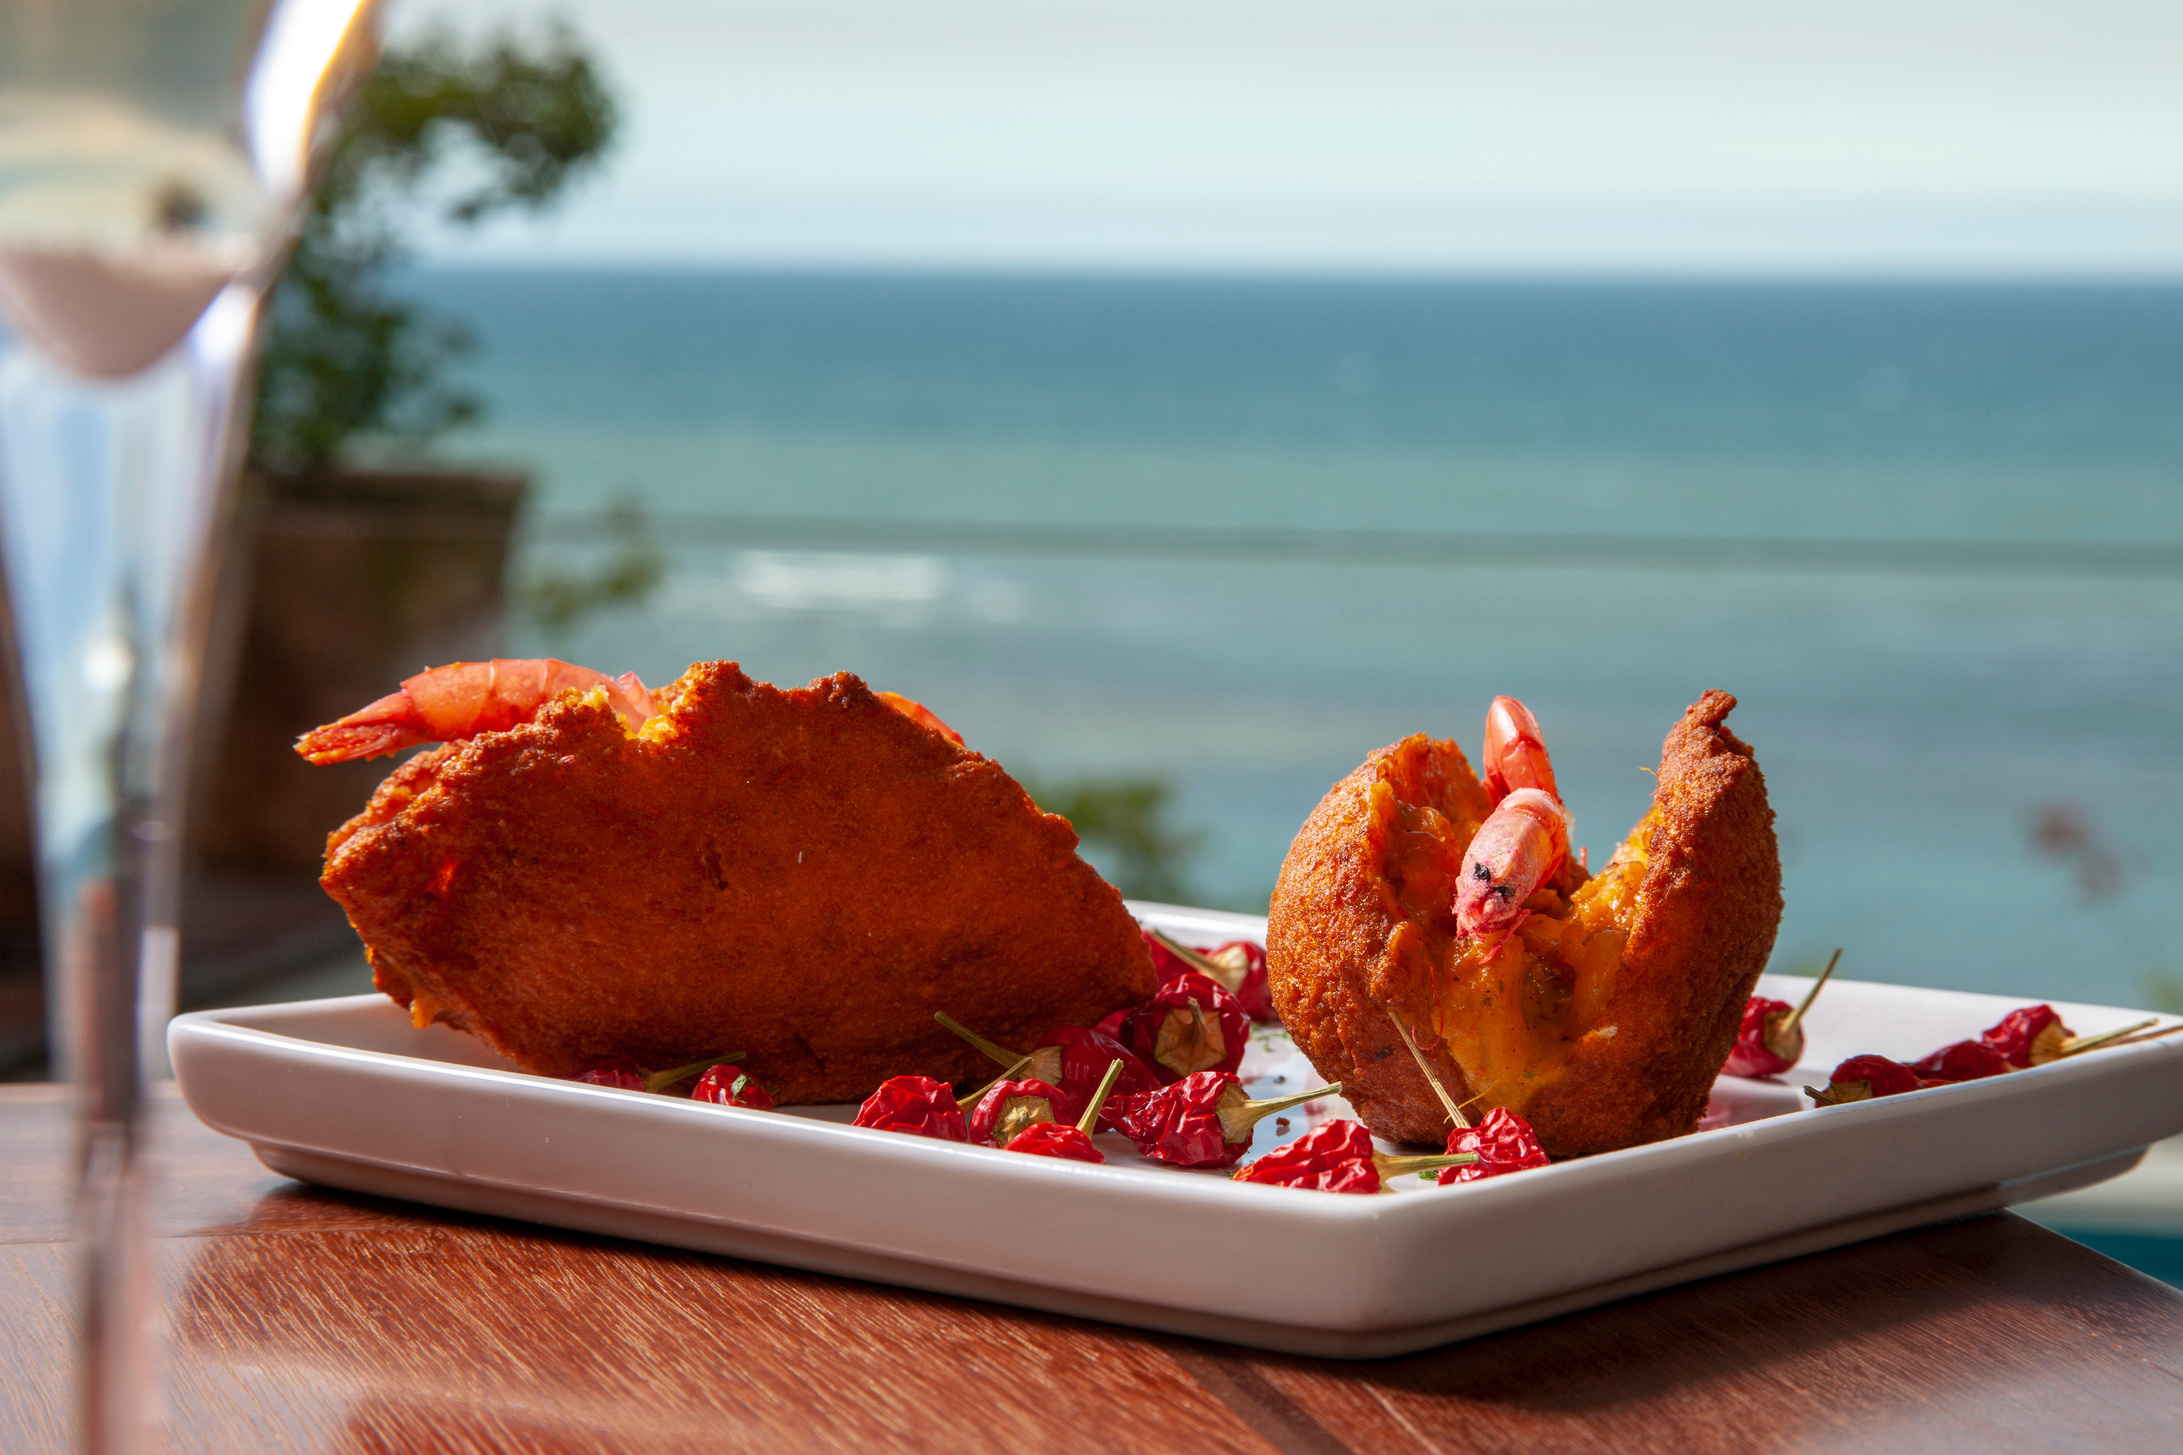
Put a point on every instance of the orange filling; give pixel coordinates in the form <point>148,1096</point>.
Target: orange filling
<point>423,1009</point>
<point>1510,1007</point>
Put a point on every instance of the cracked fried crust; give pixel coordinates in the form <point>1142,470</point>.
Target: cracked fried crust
<point>1604,1020</point>
<point>803,876</point>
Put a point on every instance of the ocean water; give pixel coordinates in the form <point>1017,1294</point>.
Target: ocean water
<point>1239,533</point>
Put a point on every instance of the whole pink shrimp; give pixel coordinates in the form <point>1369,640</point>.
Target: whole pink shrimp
<point>462,699</point>
<point>1525,838</point>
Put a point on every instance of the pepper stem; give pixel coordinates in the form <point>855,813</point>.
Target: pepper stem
<point>1455,1113</point>
<point>2077,1045</point>
<point>984,1046</point>
<point>1089,1121</point>
<point>2149,1035</point>
<point>1811,995</point>
<point>969,1103</point>
<point>1204,964</point>
<point>1238,1116</point>
<point>1259,1109</point>
<point>1403,1166</point>
<point>661,1080</point>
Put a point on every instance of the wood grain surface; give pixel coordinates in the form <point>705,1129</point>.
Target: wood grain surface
<point>307,1320</point>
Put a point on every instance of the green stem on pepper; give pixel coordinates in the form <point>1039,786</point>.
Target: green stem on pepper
<point>970,1103</point>
<point>661,1080</point>
<point>1089,1121</point>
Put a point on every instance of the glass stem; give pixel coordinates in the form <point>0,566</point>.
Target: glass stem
<point>111,496</point>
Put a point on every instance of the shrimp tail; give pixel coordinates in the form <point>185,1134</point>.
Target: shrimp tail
<point>386,726</point>
<point>1516,755</point>
<point>633,697</point>
<point>920,714</point>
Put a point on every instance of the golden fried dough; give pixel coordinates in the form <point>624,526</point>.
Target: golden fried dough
<point>803,876</point>
<point>1603,1019</point>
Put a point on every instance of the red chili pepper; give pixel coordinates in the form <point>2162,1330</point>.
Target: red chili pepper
<point>1008,1107</point>
<point>1072,1060</point>
<point>2030,1036</point>
<point>1772,1037</point>
<point>1166,963</point>
<point>1059,1139</point>
<point>1056,1139</point>
<point>1963,1061</point>
<point>732,1086</point>
<point>1238,965</point>
<point>618,1071</point>
<point>1752,1055</point>
<point>1333,1157</point>
<point>1861,1078</point>
<point>1203,1120</point>
<point>1255,994</point>
<point>1084,1056</point>
<point>1503,1142</point>
<point>674,1076</point>
<point>1189,1024</point>
<point>1337,1156</point>
<point>915,1104</point>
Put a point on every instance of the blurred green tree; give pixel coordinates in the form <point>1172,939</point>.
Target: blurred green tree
<point>560,600</point>
<point>518,120</point>
<point>1123,822</point>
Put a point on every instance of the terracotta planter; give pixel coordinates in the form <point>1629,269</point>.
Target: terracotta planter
<point>338,587</point>
<point>348,582</point>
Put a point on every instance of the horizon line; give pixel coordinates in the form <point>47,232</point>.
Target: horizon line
<point>1631,551</point>
<point>1206,272</point>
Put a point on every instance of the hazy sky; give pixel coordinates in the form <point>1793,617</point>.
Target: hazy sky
<point>1786,136</point>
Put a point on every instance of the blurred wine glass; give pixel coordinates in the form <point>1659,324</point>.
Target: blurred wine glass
<point>153,159</point>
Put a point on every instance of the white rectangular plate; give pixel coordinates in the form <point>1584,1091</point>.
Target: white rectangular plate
<point>346,1093</point>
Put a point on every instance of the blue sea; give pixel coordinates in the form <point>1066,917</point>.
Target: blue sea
<point>1237,533</point>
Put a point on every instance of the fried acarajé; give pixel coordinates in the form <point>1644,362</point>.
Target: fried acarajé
<point>800,876</point>
<point>1602,1019</point>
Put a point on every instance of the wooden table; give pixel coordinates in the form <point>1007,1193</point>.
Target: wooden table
<point>302,1319</point>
